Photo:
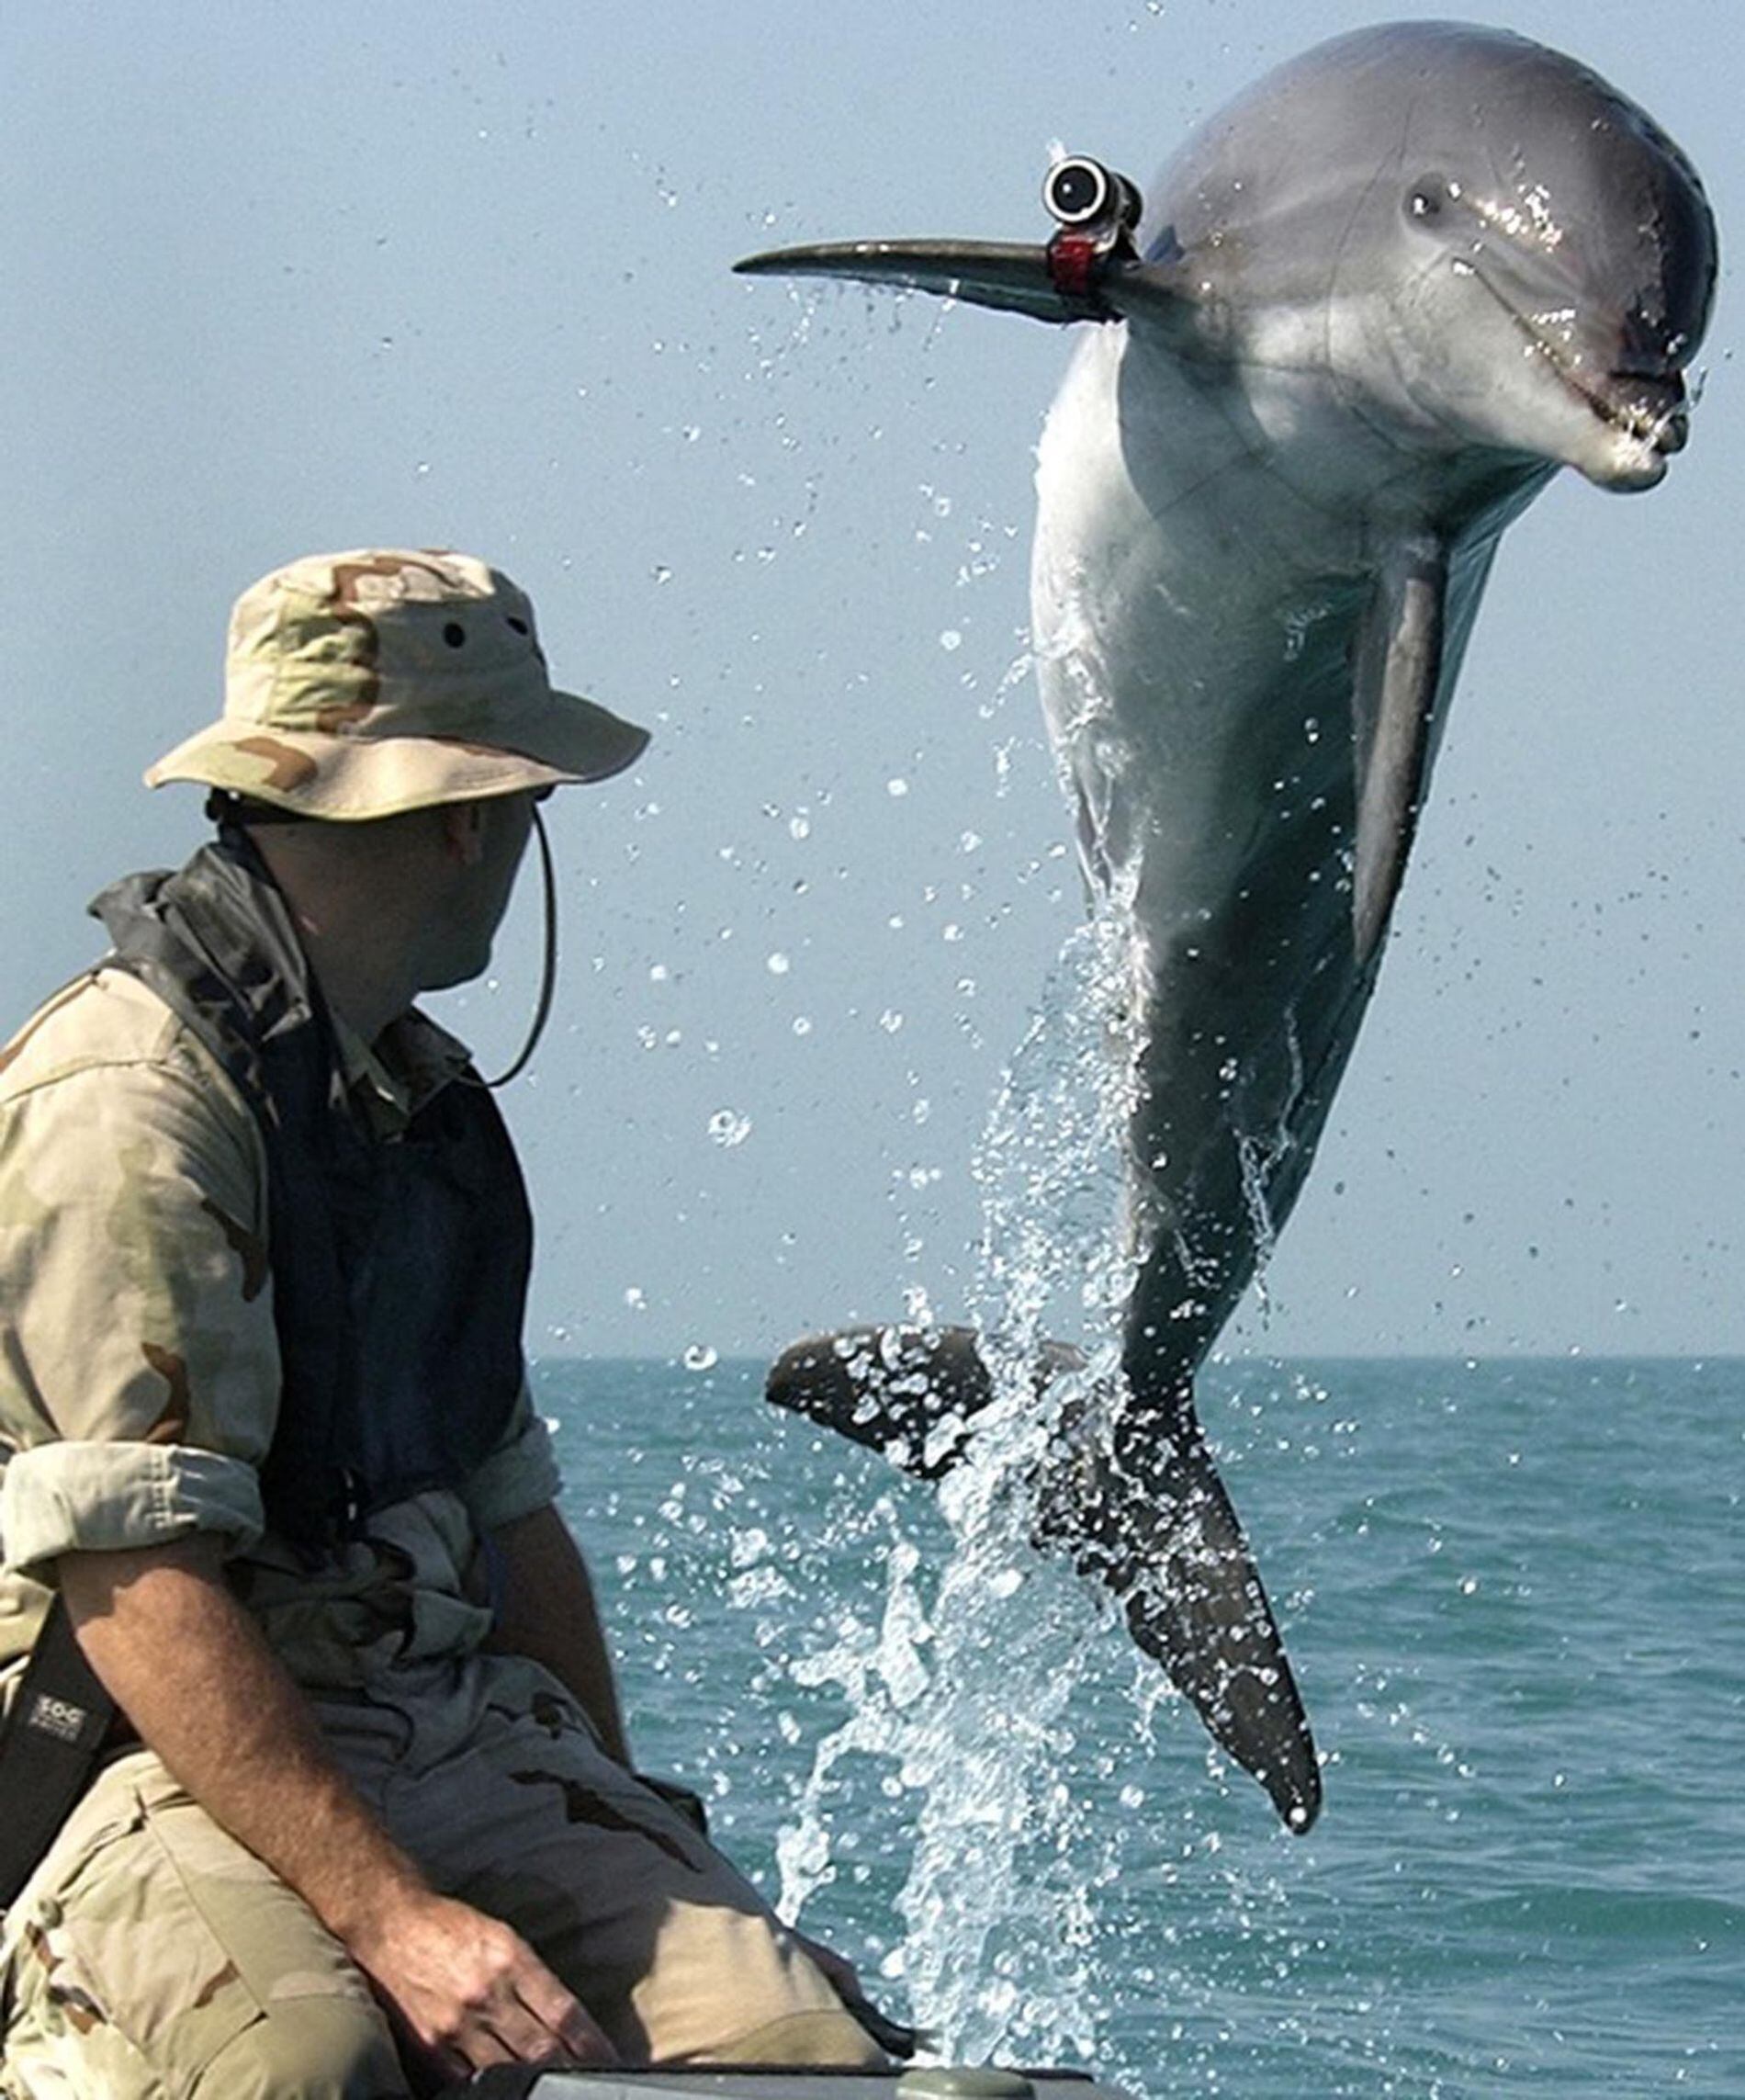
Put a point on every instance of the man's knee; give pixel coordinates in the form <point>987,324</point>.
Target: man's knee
<point>821,2039</point>
<point>732,1985</point>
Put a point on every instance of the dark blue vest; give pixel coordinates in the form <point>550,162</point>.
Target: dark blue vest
<point>399,1266</point>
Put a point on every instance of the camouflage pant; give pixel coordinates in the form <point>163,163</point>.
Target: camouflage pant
<point>151,1954</point>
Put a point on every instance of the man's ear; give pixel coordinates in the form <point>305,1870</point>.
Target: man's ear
<point>463,831</point>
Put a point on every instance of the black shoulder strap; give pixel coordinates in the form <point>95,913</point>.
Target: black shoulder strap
<point>49,1748</point>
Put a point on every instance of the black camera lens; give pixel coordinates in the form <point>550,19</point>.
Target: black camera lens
<point>1076,191</point>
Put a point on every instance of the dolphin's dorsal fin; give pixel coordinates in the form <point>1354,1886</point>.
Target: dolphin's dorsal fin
<point>1397,677</point>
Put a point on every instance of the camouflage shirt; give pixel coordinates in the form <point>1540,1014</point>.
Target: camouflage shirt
<point>138,1362</point>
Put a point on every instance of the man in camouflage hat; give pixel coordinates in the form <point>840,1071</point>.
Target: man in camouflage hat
<point>268,1450</point>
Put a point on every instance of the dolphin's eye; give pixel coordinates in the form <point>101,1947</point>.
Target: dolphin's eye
<point>1429,198</point>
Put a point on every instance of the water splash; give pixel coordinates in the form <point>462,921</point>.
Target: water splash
<point>1260,1158</point>
<point>969,1696</point>
<point>1051,1163</point>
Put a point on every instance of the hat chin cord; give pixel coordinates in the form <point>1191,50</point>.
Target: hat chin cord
<point>548,977</point>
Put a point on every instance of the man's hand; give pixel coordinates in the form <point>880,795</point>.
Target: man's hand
<point>469,1992</point>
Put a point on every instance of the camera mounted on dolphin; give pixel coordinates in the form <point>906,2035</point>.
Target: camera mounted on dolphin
<point>1089,270</point>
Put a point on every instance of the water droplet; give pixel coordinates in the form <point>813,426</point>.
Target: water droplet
<point>728,1127</point>
<point>701,1356</point>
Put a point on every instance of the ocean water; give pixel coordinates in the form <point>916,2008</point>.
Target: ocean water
<point>1512,1595</point>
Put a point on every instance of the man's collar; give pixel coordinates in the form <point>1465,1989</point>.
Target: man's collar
<point>408,1065</point>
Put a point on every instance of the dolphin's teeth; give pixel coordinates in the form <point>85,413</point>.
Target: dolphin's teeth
<point>1654,410</point>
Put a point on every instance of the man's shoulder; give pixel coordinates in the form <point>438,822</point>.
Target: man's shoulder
<point>105,1019</point>
<point>107,1099</point>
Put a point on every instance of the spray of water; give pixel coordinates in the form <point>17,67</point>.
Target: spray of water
<point>968,1694</point>
<point>1260,1158</point>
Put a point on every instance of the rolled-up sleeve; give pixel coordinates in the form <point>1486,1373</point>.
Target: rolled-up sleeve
<point>139,1365</point>
<point>520,1476</point>
<point>68,1498</point>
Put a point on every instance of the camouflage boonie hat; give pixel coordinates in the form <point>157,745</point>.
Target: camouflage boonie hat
<point>361,684</point>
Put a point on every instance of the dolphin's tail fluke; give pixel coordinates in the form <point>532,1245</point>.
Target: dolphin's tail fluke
<point>1149,1517</point>
<point>1142,1510</point>
<point>911,1393</point>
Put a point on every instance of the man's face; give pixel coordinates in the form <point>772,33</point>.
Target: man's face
<point>487,842</point>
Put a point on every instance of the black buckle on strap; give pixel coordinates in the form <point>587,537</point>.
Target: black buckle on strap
<point>49,1748</point>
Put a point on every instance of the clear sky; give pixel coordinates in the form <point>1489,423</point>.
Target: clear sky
<point>444,274</point>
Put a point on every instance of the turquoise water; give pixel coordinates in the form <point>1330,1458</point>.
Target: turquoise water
<point>1511,1599</point>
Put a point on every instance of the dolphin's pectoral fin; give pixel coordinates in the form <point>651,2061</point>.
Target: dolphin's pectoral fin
<point>1151,1520</point>
<point>911,1393</point>
<point>1398,671</point>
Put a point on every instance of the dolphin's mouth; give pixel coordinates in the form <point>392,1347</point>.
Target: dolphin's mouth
<point>1655,410</point>
<point>1649,407</point>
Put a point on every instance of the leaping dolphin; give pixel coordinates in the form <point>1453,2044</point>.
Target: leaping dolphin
<point>1376,303</point>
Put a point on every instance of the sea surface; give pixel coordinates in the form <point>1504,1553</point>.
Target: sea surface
<point>1513,1596</point>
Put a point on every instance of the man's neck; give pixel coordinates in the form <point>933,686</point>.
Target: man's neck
<point>370,1000</point>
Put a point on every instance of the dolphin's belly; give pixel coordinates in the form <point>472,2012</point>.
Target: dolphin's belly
<point>1193,624</point>
<point>1196,618</point>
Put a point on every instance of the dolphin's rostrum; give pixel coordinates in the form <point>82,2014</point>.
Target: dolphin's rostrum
<point>1375,304</point>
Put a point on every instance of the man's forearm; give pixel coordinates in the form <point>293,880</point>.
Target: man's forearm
<point>194,1675</point>
<point>547,1611</point>
<point>191,1670</point>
